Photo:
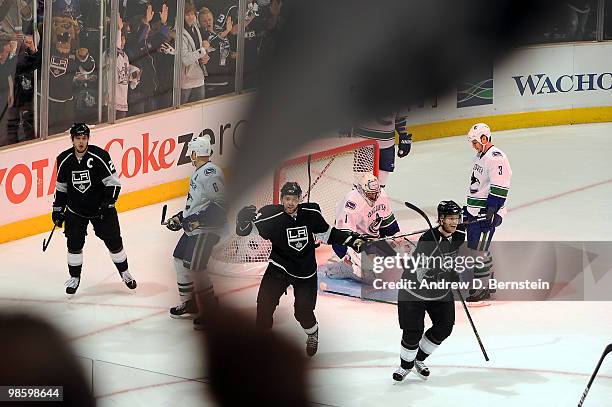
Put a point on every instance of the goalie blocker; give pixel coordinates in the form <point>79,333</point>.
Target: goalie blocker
<point>291,228</point>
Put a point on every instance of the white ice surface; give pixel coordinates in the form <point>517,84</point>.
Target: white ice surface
<point>542,353</point>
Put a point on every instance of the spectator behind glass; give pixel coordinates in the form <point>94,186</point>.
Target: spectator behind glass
<point>14,16</point>
<point>127,76</point>
<point>144,49</point>
<point>21,115</point>
<point>194,57</point>
<point>139,48</point>
<point>70,8</point>
<point>220,78</point>
<point>578,16</point>
<point>274,24</point>
<point>7,73</point>
<point>162,40</point>
<point>69,63</point>
<point>34,353</point>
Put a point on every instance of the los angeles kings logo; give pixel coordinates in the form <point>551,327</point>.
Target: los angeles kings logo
<point>297,238</point>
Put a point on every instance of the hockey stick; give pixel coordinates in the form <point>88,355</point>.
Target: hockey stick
<point>48,240</point>
<point>420,231</point>
<point>465,308</point>
<point>586,391</point>
<point>164,210</point>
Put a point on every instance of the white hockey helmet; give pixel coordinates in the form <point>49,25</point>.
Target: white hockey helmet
<point>478,130</point>
<point>200,145</point>
<point>368,186</point>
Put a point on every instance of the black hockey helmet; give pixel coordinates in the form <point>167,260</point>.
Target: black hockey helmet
<point>291,188</point>
<point>79,129</point>
<point>446,208</point>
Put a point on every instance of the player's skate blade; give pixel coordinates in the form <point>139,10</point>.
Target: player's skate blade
<point>128,280</point>
<point>400,374</point>
<point>72,284</point>
<point>421,370</point>
<point>185,310</point>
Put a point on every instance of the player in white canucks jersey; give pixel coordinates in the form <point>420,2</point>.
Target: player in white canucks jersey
<point>203,221</point>
<point>489,186</point>
<point>383,129</point>
<point>365,210</point>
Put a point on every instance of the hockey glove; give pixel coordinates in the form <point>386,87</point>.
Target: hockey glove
<point>245,217</point>
<point>58,216</point>
<point>356,241</point>
<point>175,222</point>
<point>488,217</point>
<point>405,143</point>
<point>247,214</point>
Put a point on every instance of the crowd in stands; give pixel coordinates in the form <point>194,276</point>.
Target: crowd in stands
<point>146,54</point>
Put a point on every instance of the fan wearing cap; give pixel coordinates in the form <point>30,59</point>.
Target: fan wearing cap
<point>202,222</point>
<point>291,228</point>
<point>86,190</point>
<point>486,202</point>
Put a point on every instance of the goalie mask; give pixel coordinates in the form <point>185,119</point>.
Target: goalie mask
<point>368,186</point>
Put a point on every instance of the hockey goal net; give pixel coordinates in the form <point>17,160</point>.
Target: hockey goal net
<point>325,170</point>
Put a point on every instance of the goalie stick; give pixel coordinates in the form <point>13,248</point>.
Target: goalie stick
<point>467,312</point>
<point>586,391</point>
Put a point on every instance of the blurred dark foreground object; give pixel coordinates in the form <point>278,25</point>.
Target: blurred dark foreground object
<point>342,62</point>
<point>249,367</point>
<point>34,353</point>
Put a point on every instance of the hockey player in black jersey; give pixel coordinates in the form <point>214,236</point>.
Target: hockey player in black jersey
<point>86,189</point>
<point>433,246</point>
<point>291,228</point>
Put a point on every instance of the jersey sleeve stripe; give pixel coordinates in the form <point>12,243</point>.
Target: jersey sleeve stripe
<point>477,202</point>
<point>61,186</point>
<point>501,192</point>
<point>268,218</point>
<point>387,221</point>
<point>111,181</point>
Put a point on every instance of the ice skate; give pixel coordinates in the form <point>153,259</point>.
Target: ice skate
<point>400,374</point>
<point>128,279</point>
<point>72,284</point>
<point>185,310</point>
<point>421,370</point>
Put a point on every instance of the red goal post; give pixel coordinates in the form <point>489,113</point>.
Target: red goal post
<point>325,169</point>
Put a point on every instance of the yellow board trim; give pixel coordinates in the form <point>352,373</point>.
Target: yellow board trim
<point>420,132</point>
<point>126,202</point>
<point>512,121</point>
